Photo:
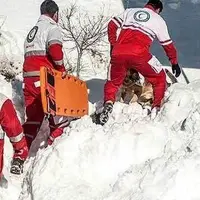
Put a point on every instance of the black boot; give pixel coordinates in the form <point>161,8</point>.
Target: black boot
<point>17,166</point>
<point>102,118</point>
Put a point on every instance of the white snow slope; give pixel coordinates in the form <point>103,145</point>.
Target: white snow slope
<point>130,158</point>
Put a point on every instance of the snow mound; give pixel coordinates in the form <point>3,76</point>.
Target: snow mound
<point>131,157</point>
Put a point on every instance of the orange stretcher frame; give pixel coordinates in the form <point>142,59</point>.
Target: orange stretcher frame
<point>63,97</point>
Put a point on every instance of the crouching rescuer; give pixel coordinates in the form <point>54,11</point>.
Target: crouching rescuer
<point>43,47</point>
<point>10,125</point>
<point>131,49</point>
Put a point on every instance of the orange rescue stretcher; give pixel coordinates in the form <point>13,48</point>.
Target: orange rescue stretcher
<point>63,97</point>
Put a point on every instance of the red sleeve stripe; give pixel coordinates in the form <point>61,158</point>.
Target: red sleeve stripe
<point>166,42</point>
<point>171,52</point>
<point>117,22</point>
<point>56,53</point>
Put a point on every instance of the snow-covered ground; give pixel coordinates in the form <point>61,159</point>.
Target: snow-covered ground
<point>131,157</point>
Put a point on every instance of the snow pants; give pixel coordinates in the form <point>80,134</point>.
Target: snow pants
<point>11,125</point>
<point>148,66</point>
<point>35,114</point>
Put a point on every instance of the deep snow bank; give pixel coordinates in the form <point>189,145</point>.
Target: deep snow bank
<point>131,157</point>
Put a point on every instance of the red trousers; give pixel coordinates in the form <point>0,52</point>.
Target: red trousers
<point>35,114</point>
<point>147,65</point>
<point>11,126</point>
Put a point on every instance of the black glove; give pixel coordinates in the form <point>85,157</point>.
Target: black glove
<point>176,70</point>
<point>111,48</point>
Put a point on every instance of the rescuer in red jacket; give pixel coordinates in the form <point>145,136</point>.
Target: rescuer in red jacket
<point>139,27</point>
<point>10,125</point>
<point>43,47</point>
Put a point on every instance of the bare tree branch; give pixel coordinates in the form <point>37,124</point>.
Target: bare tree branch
<point>83,31</point>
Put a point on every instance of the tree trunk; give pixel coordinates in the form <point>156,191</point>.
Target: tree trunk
<point>78,67</point>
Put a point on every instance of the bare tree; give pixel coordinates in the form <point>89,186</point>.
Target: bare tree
<point>84,31</point>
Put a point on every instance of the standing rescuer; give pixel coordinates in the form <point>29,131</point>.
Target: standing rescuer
<point>139,27</point>
<point>10,125</point>
<point>43,47</point>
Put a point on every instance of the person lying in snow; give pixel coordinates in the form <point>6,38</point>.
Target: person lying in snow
<point>139,27</point>
<point>10,124</point>
<point>133,90</point>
